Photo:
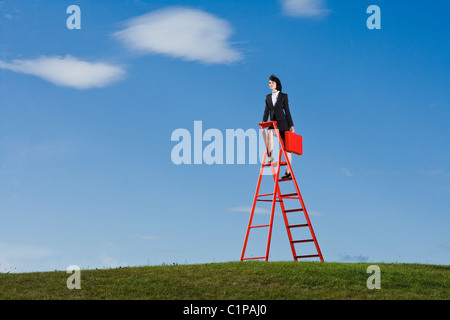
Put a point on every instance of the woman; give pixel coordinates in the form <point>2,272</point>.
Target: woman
<point>277,106</point>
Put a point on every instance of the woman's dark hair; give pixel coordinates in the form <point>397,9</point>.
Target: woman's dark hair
<point>277,81</point>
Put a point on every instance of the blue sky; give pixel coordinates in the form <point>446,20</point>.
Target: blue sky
<point>86,118</point>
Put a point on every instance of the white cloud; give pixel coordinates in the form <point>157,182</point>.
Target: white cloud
<point>67,71</point>
<point>146,237</point>
<point>184,33</point>
<point>304,8</point>
<point>435,173</point>
<point>16,153</point>
<point>14,256</point>
<point>354,258</point>
<point>347,172</point>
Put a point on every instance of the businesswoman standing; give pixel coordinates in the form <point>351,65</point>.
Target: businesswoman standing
<point>277,106</point>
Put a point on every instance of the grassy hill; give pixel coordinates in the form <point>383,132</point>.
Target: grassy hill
<point>254,280</point>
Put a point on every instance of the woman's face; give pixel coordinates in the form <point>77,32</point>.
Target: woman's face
<point>272,85</point>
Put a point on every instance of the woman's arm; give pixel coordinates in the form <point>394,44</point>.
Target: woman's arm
<point>288,113</point>
<point>266,113</point>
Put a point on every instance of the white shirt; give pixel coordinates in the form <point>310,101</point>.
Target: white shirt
<point>275,97</point>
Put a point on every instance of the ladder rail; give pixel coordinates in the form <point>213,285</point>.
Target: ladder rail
<point>272,213</point>
<point>283,210</point>
<point>300,197</point>
<point>253,209</point>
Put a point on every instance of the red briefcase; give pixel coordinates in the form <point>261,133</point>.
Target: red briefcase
<point>294,142</point>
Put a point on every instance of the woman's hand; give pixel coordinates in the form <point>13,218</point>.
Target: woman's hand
<point>292,129</point>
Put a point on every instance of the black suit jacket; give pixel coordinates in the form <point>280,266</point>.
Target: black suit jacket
<point>280,112</point>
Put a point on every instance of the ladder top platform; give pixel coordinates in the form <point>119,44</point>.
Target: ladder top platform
<point>268,124</point>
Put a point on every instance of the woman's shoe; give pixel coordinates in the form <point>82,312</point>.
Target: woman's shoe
<point>286,176</point>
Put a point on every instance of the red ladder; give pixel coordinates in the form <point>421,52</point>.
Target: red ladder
<point>277,196</point>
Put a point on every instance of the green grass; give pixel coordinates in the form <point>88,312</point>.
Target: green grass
<point>253,280</point>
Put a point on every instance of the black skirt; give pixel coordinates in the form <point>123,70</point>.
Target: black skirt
<point>281,134</point>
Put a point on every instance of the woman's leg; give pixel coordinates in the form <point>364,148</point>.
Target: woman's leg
<point>290,161</point>
<point>289,155</point>
<point>269,143</point>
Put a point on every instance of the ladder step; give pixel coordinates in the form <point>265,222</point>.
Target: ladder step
<point>298,225</point>
<point>274,163</point>
<point>285,179</point>
<point>308,256</point>
<point>253,258</point>
<point>267,200</point>
<point>289,195</point>
<point>306,240</point>
<point>260,226</point>
<point>265,194</point>
<point>293,210</point>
